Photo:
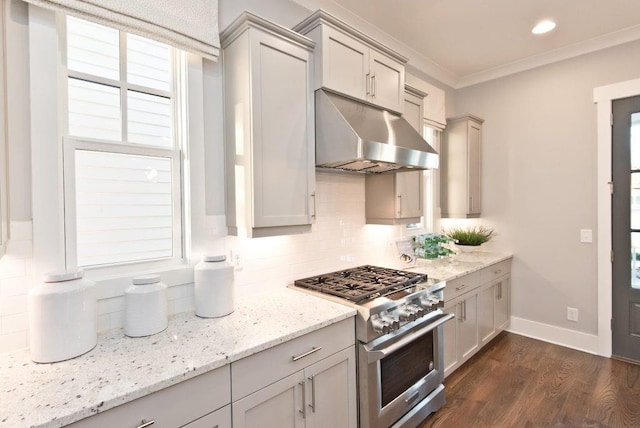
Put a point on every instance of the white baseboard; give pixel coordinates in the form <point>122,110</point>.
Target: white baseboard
<point>557,335</point>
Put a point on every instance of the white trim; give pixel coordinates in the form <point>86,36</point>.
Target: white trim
<point>603,97</point>
<point>46,150</point>
<point>557,335</point>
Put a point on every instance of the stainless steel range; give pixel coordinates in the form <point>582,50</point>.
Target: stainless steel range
<point>399,333</point>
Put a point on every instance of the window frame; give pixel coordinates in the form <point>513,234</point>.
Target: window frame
<point>46,102</point>
<point>175,153</point>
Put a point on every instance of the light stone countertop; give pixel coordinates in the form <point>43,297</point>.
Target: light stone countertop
<point>120,369</point>
<point>450,268</point>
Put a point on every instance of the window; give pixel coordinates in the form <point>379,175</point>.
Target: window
<point>122,147</point>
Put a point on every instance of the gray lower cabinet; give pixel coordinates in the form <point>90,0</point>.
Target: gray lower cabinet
<point>308,382</point>
<point>481,304</point>
<point>318,396</point>
<point>201,402</point>
<point>269,131</point>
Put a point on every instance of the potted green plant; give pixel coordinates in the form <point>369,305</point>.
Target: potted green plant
<point>469,238</point>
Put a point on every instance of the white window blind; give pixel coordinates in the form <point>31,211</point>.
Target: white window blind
<point>190,25</point>
<point>123,207</point>
<point>122,162</point>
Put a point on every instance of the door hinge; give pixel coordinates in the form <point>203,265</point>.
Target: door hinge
<point>611,119</point>
<point>611,256</point>
<point>610,183</point>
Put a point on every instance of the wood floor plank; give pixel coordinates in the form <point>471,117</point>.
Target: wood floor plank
<point>517,381</point>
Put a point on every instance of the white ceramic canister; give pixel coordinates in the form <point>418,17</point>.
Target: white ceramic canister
<point>213,279</point>
<point>146,306</point>
<point>63,319</point>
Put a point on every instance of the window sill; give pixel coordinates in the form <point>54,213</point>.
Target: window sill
<point>115,285</point>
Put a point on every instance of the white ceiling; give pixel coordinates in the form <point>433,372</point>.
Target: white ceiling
<point>477,40</point>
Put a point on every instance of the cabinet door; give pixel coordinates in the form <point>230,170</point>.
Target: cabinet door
<point>387,81</point>
<point>279,405</point>
<point>331,391</point>
<point>474,161</point>
<point>450,340</point>
<point>409,194</point>
<point>221,418</point>
<point>468,327</point>
<point>486,303</point>
<point>503,306</point>
<point>283,137</point>
<point>345,64</point>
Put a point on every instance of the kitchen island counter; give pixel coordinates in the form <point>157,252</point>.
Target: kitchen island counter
<point>121,369</point>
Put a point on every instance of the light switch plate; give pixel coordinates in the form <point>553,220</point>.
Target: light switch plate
<point>586,236</point>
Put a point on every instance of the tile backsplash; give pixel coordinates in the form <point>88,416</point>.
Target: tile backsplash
<point>339,238</point>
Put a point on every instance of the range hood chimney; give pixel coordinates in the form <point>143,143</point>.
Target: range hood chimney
<point>354,136</point>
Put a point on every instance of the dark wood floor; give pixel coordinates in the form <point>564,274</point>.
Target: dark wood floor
<point>520,382</point>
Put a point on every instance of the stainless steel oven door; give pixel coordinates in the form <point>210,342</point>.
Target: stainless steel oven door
<point>397,371</point>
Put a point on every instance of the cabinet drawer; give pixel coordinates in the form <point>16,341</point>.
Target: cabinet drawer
<point>498,270</point>
<point>221,418</point>
<point>171,407</point>
<point>264,368</point>
<point>461,285</point>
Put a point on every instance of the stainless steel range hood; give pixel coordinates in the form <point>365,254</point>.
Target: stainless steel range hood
<point>355,136</point>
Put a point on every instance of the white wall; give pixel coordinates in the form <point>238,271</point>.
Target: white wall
<point>539,178</point>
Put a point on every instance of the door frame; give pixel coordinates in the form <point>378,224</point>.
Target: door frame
<point>603,96</point>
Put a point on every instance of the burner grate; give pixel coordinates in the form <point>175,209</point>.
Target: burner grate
<point>361,283</point>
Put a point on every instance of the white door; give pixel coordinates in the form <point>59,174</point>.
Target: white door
<point>331,392</point>
<point>387,82</point>
<point>277,405</point>
<point>345,65</point>
<point>503,311</point>
<point>486,309</point>
<point>283,143</point>
<point>468,327</point>
<point>474,162</point>
<point>450,339</point>
<point>409,194</point>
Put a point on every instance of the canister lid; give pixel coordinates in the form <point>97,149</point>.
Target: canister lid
<point>214,258</point>
<point>145,279</point>
<point>65,275</point>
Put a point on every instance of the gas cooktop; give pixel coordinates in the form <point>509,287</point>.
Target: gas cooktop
<point>362,283</point>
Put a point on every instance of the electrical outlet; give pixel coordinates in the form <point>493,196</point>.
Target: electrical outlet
<point>236,260</point>
<point>572,314</point>
<point>586,236</point>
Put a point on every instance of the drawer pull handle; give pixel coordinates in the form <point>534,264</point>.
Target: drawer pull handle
<point>145,423</point>
<point>313,393</point>
<point>304,400</point>
<point>306,354</point>
<point>412,397</point>
<point>497,272</point>
<point>461,287</point>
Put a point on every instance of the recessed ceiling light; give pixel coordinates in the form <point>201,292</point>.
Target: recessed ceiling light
<point>543,27</point>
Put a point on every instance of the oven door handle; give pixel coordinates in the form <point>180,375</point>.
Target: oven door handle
<point>378,354</point>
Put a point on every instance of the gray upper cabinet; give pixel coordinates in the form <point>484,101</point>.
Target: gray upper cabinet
<point>352,63</point>
<point>269,132</point>
<point>397,198</point>
<point>461,167</point>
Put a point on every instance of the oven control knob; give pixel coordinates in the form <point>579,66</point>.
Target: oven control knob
<point>392,321</point>
<point>379,325</point>
<point>406,313</point>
